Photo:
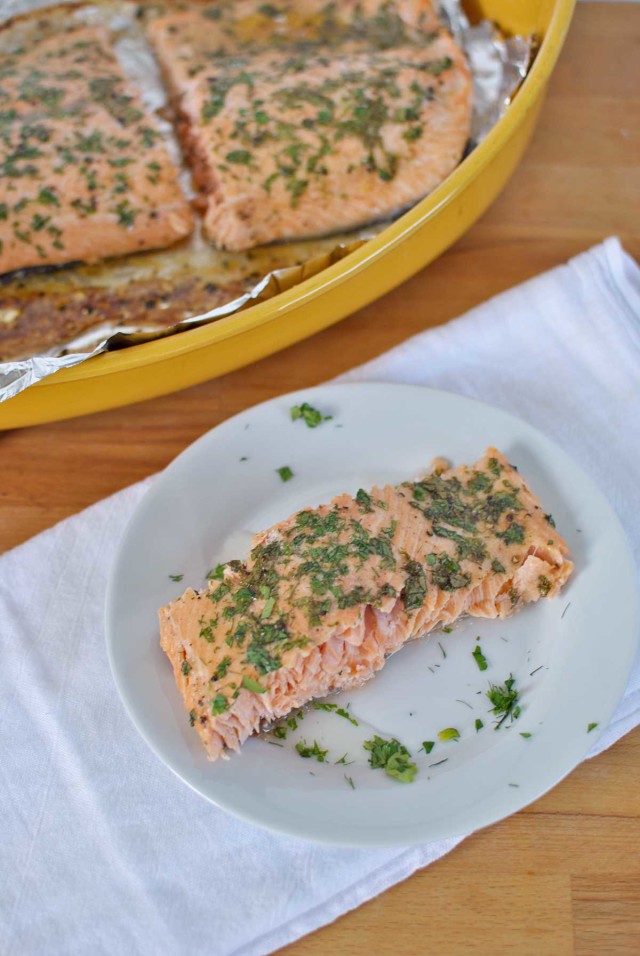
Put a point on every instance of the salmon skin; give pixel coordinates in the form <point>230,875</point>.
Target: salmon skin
<point>303,119</point>
<point>83,172</point>
<point>327,595</point>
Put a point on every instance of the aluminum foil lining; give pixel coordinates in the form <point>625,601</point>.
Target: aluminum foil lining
<point>498,65</point>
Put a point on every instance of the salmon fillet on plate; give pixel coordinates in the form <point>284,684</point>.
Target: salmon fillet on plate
<point>328,594</point>
<point>302,119</point>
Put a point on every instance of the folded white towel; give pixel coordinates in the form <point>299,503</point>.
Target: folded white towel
<point>103,849</point>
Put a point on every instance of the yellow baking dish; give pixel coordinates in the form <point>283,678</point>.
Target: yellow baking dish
<point>412,241</point>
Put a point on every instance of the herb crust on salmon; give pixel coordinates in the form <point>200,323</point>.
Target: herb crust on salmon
<point>329,593</point>
<point>83,171</point>
<point>308,118</point>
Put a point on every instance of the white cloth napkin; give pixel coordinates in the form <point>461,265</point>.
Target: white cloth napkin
<point>103,849</point>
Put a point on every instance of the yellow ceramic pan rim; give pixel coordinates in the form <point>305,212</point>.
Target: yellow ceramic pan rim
<point>375,249</point>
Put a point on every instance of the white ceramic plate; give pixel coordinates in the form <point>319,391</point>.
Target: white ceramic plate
<point>571,657</point>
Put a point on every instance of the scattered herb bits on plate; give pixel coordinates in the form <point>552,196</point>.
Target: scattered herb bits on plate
<point>290,585</point>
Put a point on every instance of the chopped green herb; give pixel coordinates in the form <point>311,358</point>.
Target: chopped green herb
<point>186,668</point>
<point>447,629</point>
<point>310,415</point>
<point>285,473</point>
<point>544,585</point>
<point>436,67</point>
<point>343,760</point>
<point>341,712</point>
<point>466,548</point>
<point>415,587</point>
<point>219,704</point>
<point>253,685</point>
<point>513,535</point>
<point>47,197</point>
<point>192,718</point>
<point>363,500</point>
<point>446,574</point>
<point>306,751</point>
<point>400,768</point>
<point>350,782</point>
<point>550,520</point>
<point>525,735</point>
<point>497,567</point>
<point>391,756</point>
<point>176,577</point>
<point>262,660</point>
<point>591,727</point>
<point>268,608</point>
<point>479,658</point>
<point>280,732</point>
<point>479,724</point>
<point>222,668</point>
<point>444,653</point>
<point>449,733</point>
<point>504,700</point>
<point>126,213</point>
<point>428,745</point>
<point>240,156</point>
<point>217,574</point>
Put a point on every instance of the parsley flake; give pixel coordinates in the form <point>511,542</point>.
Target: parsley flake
<point>479,658</point>
<point>285,473</point>
<point>316,751</point>
<point>219,704</point>
<point>239,156</point>
<point>309,415</point>
<point>449,733</point>
<point>391,756</point>
<point>504,700</point>
<point>217,574</point>
<point>253,685</point>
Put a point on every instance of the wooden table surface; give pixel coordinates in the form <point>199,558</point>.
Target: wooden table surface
<point>563,875</point>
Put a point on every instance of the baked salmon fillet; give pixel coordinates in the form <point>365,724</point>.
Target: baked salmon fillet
<point>83,173</point>
<point>312,121</point>
<point>327,595</point>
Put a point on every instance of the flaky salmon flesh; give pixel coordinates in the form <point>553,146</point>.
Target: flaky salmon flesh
<point>327,595</point>
<point>297,119</point>
<point>83,173</point>
<point>305,118</point>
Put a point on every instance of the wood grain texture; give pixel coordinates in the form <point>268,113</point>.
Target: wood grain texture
<point>562,876</point>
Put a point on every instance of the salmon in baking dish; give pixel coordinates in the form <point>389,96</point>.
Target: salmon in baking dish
<point>306,119</point>
<point>327,595</point>
<point>83,172</point>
